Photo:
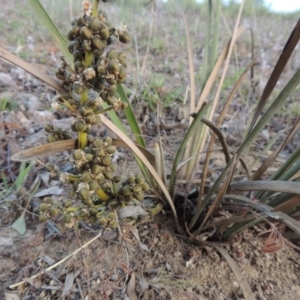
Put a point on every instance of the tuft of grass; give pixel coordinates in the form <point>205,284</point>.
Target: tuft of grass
<point>18,189</point>
<point>6,103</point>
<point>267,198</point>
<point>154,93</point>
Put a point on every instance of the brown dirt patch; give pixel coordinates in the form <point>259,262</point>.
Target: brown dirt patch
<point>117,267</point>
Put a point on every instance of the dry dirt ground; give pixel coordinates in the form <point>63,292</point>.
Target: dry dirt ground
<point>158,266</point>
<point>147,261</point>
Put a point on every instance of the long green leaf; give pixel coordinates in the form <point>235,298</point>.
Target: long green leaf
<point>206,45</point>
<point>289,202</point>
<point>214,48</point>
<point>278,69</point>
<point>218,123</point>
<point>274,186</point>
<point>278,102</point>
<point>60,40</point>
<point>275,153</point>
<point>191,132</point>
<point>279,216</point>
<point>130,116</point>
<point>285,172</point>
<point>115,119</point>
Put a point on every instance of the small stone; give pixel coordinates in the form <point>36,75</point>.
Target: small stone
<point>240,255</point>
<point>155,240</point>
<point>168,267</point>
<point>144,233</point>
<point>177,253</point>
<point>160,256</point>
<point>114,277</point>
<point>149,264</point>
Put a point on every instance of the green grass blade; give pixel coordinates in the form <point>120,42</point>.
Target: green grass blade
<point>278,69</point>
<point>4,180</point>
<point>285,172</point>
<point>283,199</point>
<point>265,150</point>
<point>115,119</point>
<point>214,48</point>
<point>204,72</point>
<point>212,191</point>
<point>131,117</point>
<point>129,114</point>
<point>24,171</point>
<point>278,102</point>
<point>273,109</point>
<point>255,205</point>
<point>191,132</point>
<point>60,40</point>
<point>274,186</point>
<point>279,216</point>
<point>267,163</point>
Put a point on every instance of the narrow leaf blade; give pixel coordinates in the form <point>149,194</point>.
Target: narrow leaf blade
<point>59,39</point>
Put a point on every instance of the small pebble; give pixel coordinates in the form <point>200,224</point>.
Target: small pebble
<point>114,277</point>
<point>155,240</point>
<point>144,233</point>
<point>177,253</point>
<point>168,267</point>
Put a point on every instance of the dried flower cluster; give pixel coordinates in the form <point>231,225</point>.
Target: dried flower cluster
<point>93,180</point>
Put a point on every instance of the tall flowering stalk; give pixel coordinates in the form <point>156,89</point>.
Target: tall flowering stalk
<point>99,69</point>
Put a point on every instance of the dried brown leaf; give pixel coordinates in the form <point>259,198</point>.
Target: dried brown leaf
<point>130,291</point>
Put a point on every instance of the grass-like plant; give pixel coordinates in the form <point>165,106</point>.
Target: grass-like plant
<point>90,68</point>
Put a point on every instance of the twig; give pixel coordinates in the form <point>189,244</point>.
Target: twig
<point>58,263</point>
<point>84,262</point>
<point>127,257</point>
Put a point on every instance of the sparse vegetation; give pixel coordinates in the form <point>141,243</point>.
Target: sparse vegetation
<point>221,154</point>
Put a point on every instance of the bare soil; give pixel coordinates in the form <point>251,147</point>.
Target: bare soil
<point>159,266</point>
